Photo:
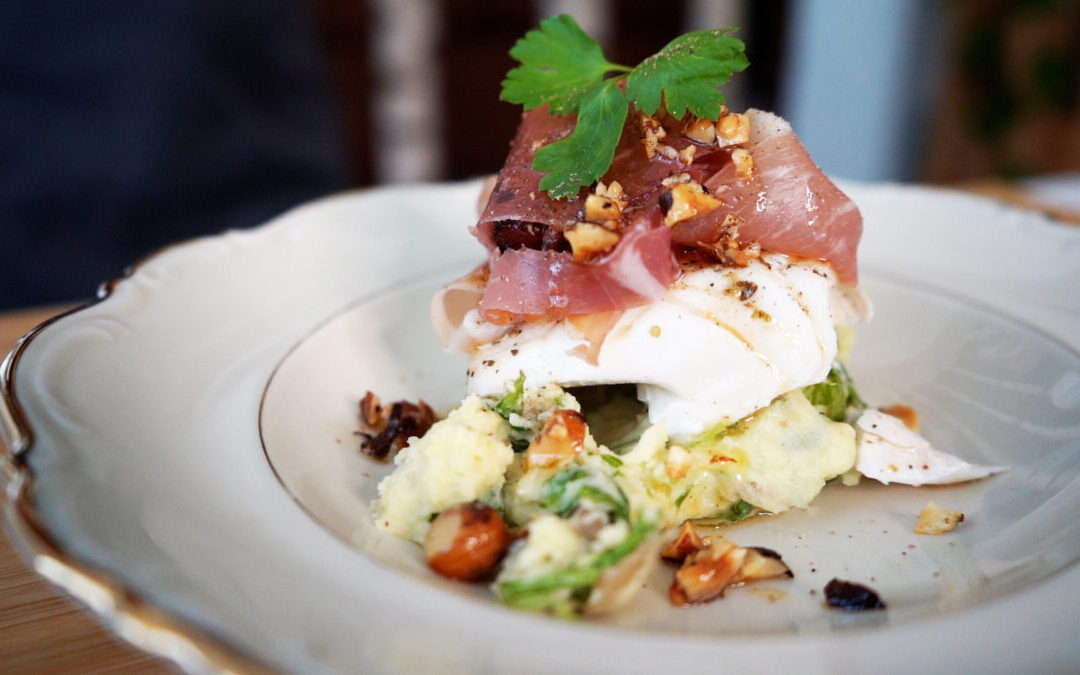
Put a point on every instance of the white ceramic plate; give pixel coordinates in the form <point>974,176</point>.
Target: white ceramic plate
<point>183,459</point>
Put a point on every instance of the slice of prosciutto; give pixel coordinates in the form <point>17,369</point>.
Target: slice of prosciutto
<point>788,205</point>
<point>529,284</point>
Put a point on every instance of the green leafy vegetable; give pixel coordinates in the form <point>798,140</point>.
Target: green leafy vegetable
<point>611,460</point>
<point>565,69</point>
<point>510,404</point>
<point>564,592</point>
<point>686,73</point>
<point>560,64</point>
<point>740,510</point>
<point>584,156</point>
<point>681,498</point>
<point>563,492</point>
<point>835,395</point>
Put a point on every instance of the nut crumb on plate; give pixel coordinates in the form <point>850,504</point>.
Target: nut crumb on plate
<point>936,520</point>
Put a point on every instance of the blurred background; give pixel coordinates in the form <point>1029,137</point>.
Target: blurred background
<point>127,125</point>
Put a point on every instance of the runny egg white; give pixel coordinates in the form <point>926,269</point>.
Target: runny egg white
<point>891,453</point>
<point>722,343</point>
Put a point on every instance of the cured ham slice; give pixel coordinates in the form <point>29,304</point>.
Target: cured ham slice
<point>516,196</point>
<point>789,205</point>
<point>531,284</point>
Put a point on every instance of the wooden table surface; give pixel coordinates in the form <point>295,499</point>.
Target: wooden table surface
<point>41,629</point>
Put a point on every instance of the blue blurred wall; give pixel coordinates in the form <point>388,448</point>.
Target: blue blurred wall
<point>858,82</point>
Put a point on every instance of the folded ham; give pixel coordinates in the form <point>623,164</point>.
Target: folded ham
<point>786,205</point>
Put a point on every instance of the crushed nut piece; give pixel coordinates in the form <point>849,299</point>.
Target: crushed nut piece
<point>761,563</point>
<point>719,565</point>
<point>936,520</point>
<point>688,200</point>
<point>728,250</point>
<point>466,542</point>
<point>588,240</point>
<point>383,435</point>
<point>561,438</point>
<point>599,209</point>
<point>686,155</point>
<point>678,462</point>
<point>613,191</point>
<point>744,164</point>
<point>651,133</point>
<point>675,179</point>
<point>667,151</point>
<point>732,129</point>
<point>701,130</point>
<point>705,574</point>
<point>372,415</point>
<point>686,542</point>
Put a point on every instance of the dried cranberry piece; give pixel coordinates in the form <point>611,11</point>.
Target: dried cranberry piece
<point>851,597</point>
<point>515,234</point>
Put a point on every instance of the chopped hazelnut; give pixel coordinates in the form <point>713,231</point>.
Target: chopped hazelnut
<point>667,151</point>
<point>466,542</point>
<point>651,134</point>
<point>686,155</point>
<point>761,563</point>
<point>936,520</point>
<point>614,191</point>
<point>732,129</point>
<point>678,462</point>
<point>588,240</point>
<point>744,163</point>
<point>675,179</point>
<point>561,438</point>
<point>383,434</point>
<point>686,542</point>
<point>599,209</point>
<point>702,131</point>
<point>728,249</point>
<point>716,565</point>
<point>372,414</point>
<point>705,574</point>
<point>688,200</point>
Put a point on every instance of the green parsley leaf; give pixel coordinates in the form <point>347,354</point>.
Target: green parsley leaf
<point>565,69</point>
<point>687,73</point>
<point>560,64</point>
<point>583,156</point>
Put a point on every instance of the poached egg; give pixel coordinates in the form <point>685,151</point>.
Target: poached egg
<point>720,344</point>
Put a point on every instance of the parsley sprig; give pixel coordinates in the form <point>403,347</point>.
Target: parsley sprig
<point>565,69</point>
